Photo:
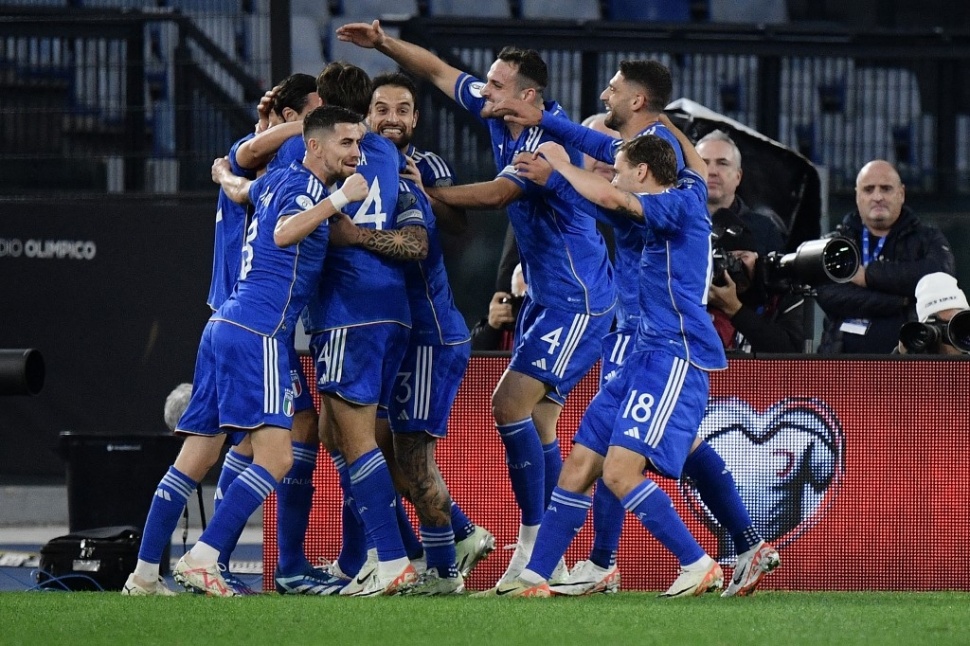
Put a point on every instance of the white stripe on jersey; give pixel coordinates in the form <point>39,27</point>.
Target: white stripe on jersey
<point>573,337</point>
<point>667,403</point>
<point>422,382</point>
<point>435,162</point>
<point>271,376</point>
<point>532,141</point>
<point>314,188</point>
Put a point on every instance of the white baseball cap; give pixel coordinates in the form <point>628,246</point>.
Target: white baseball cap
<point>938,292</point>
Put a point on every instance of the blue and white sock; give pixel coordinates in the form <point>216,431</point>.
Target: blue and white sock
<point>234,464</point>
<point>439,549</point>
<point>373,491</point>
<point>171,494</point>
<point>242,498</point>
<point>652,506</point>
<point>526,465</point>
<point>294,497</point>
<point>460,523</point>
<point>608,517</point>
<point>717,489</point>
<point>562,521</point>
<point>552,465</point>
<point>353,547</point>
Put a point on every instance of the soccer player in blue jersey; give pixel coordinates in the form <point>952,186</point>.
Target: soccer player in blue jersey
<point>634,100</point>
<point>393,114</point>
<point>242,380</point>
<point>288,103</point>
<point>646,417</point>
<point>568,305</point>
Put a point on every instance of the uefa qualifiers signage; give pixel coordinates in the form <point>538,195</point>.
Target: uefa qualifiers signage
<point>850,467</point>
<point>48,249</point>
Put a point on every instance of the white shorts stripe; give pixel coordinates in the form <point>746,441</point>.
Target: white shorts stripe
<point>573,337</point>
<point>271,376</point>
<point>667,403</point>
<point>423,365</point>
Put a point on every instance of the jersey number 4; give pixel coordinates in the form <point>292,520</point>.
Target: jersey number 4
<point>371,209</point>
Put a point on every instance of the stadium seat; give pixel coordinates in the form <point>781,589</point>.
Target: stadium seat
<point>652,10</point>
<point>561,9</point>
<point>306,34</point>
<point>470,8</point>
<point>749,11</point>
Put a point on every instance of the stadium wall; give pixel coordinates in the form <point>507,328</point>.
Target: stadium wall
<point>856,470</point>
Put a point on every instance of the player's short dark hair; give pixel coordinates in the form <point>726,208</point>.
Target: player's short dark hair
<point>326,117</point>
<point>396,79</point>
<point>529,66</point>
<point>656,153</point>
<point>652,76</point>
<point>345,85</point>
<point>292,93</point>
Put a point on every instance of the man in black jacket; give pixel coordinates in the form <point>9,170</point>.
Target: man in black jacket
<point>747,315</point>
<point>864,315</point>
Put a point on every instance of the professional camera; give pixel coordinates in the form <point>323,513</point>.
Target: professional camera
<point>815,262</point>
<point>724,261</point>
<point>724,239</point>
<point>516,303</point>
<point>925,338</point>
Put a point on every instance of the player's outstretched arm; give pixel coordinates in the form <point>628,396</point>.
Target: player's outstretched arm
<point>291,229</point>
<point>413,58</point>
<point>593,187</point>
<point>406,243</point>
<point>692,158</point>
<point>452,220</point>
<point>235,187</point>
<point>495,194</point>
<point>258,151</point>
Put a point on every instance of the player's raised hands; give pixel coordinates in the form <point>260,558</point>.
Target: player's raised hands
<point>362,34</point>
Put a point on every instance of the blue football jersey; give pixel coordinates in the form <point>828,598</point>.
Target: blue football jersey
<point>563,255</point>
<point>360,286</point>
<point>435,171</point>
<point>599,145</point>
<point>276,282</point>
<point>292,150</point>
<point>434,318</point>
<point>675,272</point>
<point>231,221</point>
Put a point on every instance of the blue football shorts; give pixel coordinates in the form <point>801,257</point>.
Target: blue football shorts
<point>426,386</point>
<point>557,348</point>
<point>359,363</point>
<point>653,406</point>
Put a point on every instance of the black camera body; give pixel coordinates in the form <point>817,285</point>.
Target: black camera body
<point>725,261</point>
<point>925,338</point>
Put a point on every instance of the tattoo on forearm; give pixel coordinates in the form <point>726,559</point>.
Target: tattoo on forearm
<point>409,243</point>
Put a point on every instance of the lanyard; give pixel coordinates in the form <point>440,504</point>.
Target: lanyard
<point>866,258</point>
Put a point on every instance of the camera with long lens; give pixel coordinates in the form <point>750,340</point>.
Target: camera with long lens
<point>815,262</point>
<point>723,239</point>
<point>925,338</point>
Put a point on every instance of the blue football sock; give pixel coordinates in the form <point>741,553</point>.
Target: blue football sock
<point>652,506</point>
<point>373,491</point>
<point>460,523</point>
<point>562,521</point>
<point>234,464</point>
<point>524,459</point>
<point>163,516</point>
<point>439,548</point>
<point>294,497</point>
<point>412,544</point>
<point>242,498</point>
<point>608,516</point>
<point>717,489</point>
<point>552,465</point>
<point>353,547</point>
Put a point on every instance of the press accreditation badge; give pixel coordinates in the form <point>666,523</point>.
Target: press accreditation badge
<point>854,326</point>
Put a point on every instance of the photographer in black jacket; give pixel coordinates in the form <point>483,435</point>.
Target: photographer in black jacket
<point>748,316</point>
<point>944,318</point>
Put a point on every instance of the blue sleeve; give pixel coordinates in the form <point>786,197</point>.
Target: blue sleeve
<point>468,94</point>
<point>593,143</point>
<point>256,188</point>
<point>410,210</point>
<point>234,166</point>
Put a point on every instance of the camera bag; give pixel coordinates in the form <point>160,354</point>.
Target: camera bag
<point>91,559</point>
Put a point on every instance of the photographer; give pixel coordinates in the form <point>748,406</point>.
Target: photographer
<point>747,315</point>
<point>496,331</point>
<point>938,302</point>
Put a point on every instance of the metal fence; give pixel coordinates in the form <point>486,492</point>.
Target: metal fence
<point>135,100</point>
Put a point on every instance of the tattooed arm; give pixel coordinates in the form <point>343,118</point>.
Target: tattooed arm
<point>406,243</point>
